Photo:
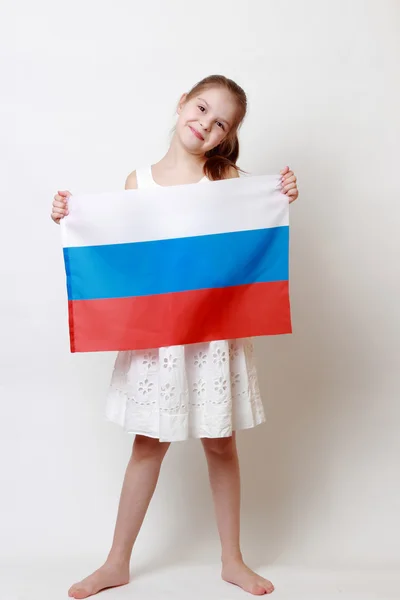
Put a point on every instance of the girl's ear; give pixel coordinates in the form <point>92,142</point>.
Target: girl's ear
<point>181,103</point>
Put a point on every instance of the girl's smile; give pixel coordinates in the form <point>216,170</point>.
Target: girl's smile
<point>196,133</point>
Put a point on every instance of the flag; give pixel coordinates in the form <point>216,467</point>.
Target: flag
<point>175,265</point>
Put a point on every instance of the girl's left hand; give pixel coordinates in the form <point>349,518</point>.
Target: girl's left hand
<point>289,184</point>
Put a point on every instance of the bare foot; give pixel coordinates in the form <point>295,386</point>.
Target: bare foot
<point>106,577</point>
<point>240,575</point>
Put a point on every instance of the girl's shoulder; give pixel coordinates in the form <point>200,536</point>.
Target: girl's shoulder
<point>131,181</point>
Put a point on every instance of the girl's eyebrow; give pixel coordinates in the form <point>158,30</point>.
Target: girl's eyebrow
<point>208,106</point>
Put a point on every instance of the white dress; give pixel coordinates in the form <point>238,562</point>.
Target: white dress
<point>179,392</point>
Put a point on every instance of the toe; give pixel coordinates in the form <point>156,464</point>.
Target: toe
<point>266,585</point>
<point>257,590</point>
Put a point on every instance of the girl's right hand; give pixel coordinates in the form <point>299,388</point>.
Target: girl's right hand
<point>60,206</point>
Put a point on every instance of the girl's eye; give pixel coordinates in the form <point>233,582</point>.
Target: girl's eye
<point>220,124</point>
<point>201,108</point>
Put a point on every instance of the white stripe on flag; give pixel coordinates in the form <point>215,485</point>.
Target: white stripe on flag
<point>239,204</point>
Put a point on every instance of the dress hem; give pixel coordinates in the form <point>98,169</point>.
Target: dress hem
<point>189,437</point>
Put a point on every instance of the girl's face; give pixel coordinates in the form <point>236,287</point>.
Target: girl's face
<point>205,120</point>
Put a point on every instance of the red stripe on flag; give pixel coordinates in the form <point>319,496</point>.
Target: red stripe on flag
<point>162,320</point>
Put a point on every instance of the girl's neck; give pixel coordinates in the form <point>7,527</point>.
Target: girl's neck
<point>179,159</point>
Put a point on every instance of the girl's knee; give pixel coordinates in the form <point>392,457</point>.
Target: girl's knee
<point>147,447</point>
<point>222,447</point>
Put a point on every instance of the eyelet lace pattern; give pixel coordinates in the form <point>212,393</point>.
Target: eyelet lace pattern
<point>175,393</point>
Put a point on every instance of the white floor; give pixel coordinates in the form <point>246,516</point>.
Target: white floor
<point>194,582</point>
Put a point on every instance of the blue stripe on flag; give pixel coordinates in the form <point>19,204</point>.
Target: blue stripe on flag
<point>176,265</point>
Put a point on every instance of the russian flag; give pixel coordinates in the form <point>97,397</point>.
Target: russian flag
<point>164,266</point>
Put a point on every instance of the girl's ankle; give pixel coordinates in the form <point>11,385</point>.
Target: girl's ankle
<point>118,560</point>
<point>228,559</point>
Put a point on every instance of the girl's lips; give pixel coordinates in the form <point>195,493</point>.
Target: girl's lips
<point>196,133</point>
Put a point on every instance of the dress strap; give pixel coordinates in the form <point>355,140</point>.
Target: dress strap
<point>144,177</point>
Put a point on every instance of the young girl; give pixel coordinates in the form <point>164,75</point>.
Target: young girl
<point>206,390</point>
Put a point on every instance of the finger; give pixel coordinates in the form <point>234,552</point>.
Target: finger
<point>59,204</point>
<point>290,186</point>
<point>64,193</point>
<point>284,171</point>
<point>294,192</point>
<point>289,178</point>
<point>55,216</point>
<point>62,210</point>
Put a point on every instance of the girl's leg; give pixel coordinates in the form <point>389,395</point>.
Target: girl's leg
<point>139,484</point>
<point>224,473</point>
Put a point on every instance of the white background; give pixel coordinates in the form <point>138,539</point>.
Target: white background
<point>88,94</point>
